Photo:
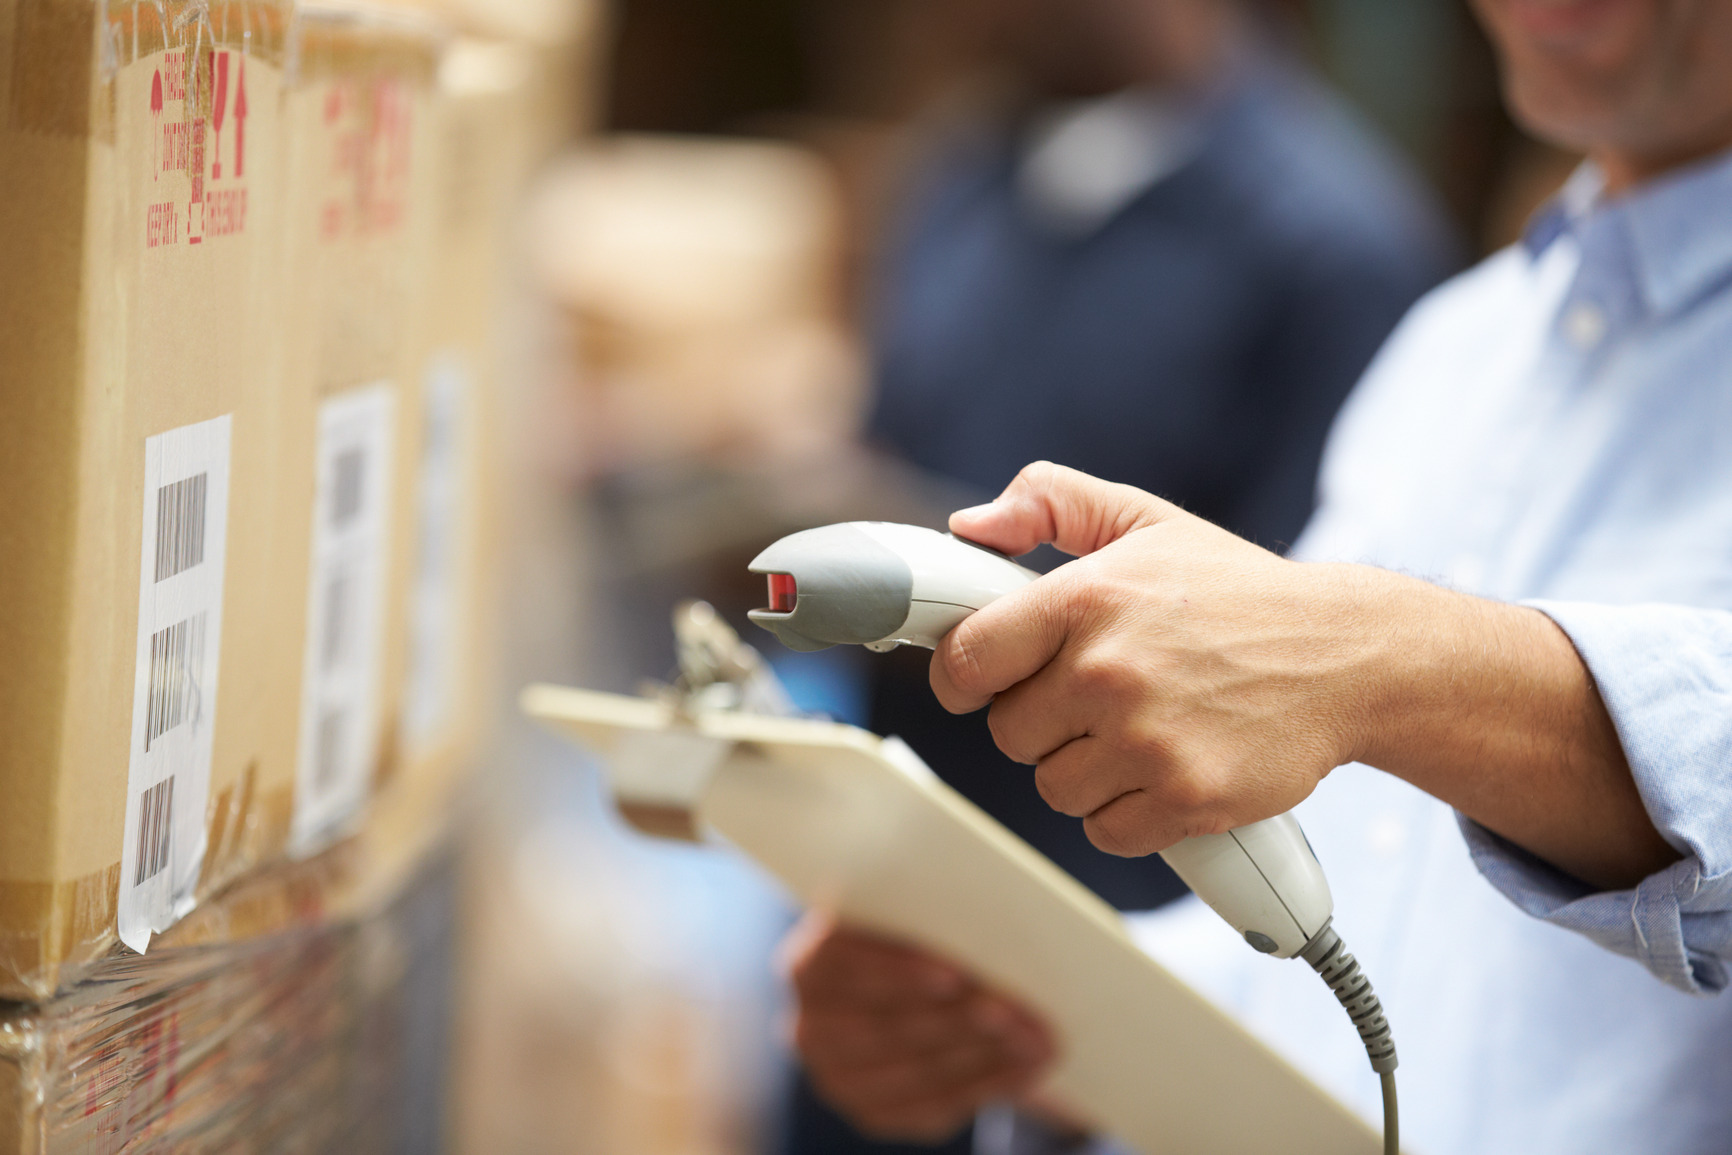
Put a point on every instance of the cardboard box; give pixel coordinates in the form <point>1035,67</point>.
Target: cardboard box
<point>484,153</point>
<point>359,119</point>
<point>700,276</point>
<point>139,154</point>
<point>564,41</point>
<point>215,306</point>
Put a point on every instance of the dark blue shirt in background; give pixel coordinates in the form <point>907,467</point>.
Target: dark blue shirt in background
<point>1195,344</point>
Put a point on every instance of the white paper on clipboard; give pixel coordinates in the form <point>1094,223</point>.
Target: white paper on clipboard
<point>847,819</point>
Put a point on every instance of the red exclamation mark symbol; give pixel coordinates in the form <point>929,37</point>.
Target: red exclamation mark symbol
<point>156,165</point>
<point>219,62</point>
<point>241,120</point>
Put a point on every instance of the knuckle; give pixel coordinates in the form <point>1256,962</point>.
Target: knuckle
<point>1101,673</point>
<point>1037,474</point>
<point>1111,664</point>
<point>1121,829</point>
<point>1058,791</point>
<point>1105,835</point>
<point>1008,737</point>
<point>960,661</point>
<point>1188,794</point>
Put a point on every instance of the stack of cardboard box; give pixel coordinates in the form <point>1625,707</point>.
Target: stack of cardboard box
<point>249,266</point>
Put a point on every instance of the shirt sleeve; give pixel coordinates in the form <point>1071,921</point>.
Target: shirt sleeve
<point>1665,674</point>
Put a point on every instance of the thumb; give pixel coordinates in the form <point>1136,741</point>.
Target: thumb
<point>1051,503</point>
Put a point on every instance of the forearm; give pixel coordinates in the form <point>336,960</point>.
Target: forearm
<point>1488,707</point>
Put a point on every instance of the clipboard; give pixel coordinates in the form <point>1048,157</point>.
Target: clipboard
<point>861,825</point>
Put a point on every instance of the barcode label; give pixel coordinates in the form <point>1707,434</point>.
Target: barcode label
<point>351,523</point>
<point>336,629</point>
<point>348,476</point>
<point>445,534</point>
<point>155,830</point>
<point>329,749</point>
<point>180,509</point>
<point>175,657</point>
<point>181,561</point>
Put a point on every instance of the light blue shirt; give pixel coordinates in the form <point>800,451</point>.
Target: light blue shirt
<point>1553,427</point>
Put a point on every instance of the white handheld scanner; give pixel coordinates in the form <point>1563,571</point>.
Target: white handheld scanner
<point>881,585</point>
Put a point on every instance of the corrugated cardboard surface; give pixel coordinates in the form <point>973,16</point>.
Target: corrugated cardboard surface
<point>485,153</point>
<point>114,328</point>
<point>360,120</point>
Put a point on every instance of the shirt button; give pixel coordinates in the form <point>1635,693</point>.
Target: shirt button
<point>1585,324</point>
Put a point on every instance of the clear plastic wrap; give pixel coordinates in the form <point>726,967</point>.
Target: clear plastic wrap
<point>327,1037</point>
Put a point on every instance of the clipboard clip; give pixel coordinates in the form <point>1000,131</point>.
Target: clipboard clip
<point>718,671</point>
<point>658,777</point>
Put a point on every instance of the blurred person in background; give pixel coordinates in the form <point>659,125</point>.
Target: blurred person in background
<point>1163,255</point>
<point>1551,435</point>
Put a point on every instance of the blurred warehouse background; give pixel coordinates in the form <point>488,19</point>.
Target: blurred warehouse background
<point>705,213</point>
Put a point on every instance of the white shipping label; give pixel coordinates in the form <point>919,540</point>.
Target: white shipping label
<point>444,536</point>
<point>340,726</point>
<point>174,696</point>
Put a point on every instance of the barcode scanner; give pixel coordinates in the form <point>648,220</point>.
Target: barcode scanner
<point>881,585</point>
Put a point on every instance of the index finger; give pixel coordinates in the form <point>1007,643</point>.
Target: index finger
<point>1066,507</point>
<point>996,647</point>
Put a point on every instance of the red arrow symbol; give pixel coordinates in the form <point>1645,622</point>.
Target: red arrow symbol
<point>219,64</point>
<point>241,120</point>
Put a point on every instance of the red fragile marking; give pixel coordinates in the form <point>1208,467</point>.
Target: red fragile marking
<point>225,212</point>
<point>161,225</point>
<point>784,594</point>
<point>155,117</point>
<point>174,149</point>
<point>174,76</point>
<point>105,1078</point>
<point>241,121</point>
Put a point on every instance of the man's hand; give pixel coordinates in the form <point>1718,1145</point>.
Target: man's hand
<point>1176,680</point>
<point>1167,683</point>
<point>905,1045</point>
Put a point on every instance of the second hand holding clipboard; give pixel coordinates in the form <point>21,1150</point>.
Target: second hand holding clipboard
<point>883,585</point>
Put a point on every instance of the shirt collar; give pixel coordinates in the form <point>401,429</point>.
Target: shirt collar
<point>1083,162</point>
<point>1087,160</point>
<point>1677,227</point>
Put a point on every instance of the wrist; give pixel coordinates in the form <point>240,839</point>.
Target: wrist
<point>1401,649</point>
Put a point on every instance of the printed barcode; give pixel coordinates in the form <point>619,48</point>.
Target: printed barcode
<point>155,830</point>
<point>180,526</point>
<point>334,636</point>
<point>329,750</point>
<point>346,487</point>
<point>174,657</point>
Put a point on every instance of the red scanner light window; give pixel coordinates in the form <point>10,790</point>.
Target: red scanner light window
<point>783,593</point>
